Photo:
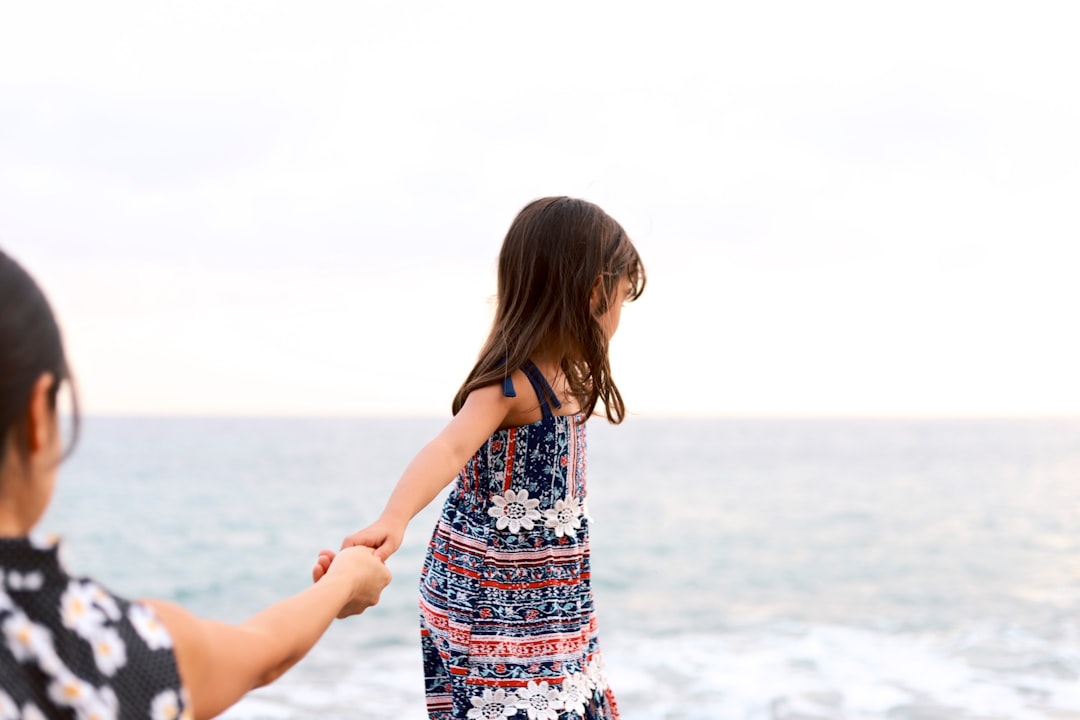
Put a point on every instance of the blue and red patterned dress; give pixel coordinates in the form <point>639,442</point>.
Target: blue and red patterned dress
<point>506,609</point>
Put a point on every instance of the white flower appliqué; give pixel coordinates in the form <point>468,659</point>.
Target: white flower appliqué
<point>595,678</point>
<point>514,510</point>
<point>539,701</point>
<point>565,517</point>
<point>494,704</point>
<point>575,693</point>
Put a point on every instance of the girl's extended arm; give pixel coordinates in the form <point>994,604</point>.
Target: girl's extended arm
<point>434,467</point>
<point>219,662</point>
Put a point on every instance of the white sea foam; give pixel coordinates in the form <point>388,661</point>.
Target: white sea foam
<point>783,671</point>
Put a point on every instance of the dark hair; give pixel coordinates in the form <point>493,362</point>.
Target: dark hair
<point>30,345</point>
<point>553,254</point>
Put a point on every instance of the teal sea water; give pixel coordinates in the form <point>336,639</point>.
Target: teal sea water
<point>758,569</point>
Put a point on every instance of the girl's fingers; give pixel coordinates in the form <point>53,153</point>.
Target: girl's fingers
<point>362,538</point>
<point>322,564</point>
<point>385,550</point>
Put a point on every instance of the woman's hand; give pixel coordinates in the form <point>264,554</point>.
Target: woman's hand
<point>368,573</point>
<point>219,662</point>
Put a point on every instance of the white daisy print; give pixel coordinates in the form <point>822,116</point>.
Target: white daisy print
<point>25,639</point>
<point>165,706</point>
<point>25,582</point>
<point>5,601</point>
<point>149,627</point>
<point>575,693</point>
<point>188,713</point>
<point>78,612</point>
<point>540,701</point>
<point>43,541</point>
<point>71,691</point>
<point>31,711</point>
<point>514,510</point>
<point>104,601</point>
<point>564,518</point>
<point>492,705</point>
<point>8,709</point>
<point>110,653</point>
<point>99,705</point>
<point>47,659</point>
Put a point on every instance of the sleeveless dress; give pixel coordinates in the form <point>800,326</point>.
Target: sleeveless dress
<point>70,649</point>
<point>506,610</point>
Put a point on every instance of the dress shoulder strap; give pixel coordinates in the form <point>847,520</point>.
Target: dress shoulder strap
<point>544,393</point>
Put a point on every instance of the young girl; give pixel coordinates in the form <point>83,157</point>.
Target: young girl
<point>507,624</point>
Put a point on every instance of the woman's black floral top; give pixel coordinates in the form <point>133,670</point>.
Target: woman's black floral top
<point>70,649</point>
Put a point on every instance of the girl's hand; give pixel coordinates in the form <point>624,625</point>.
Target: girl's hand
<point>382,536</point>
<point>367,573</point>
<point>322,564</point>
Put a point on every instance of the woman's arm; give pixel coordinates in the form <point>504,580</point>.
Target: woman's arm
<point>434,467</point>
<point>219,663</point>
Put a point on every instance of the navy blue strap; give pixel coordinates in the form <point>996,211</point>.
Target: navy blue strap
<point>540,386</point>
<point>508,382</point>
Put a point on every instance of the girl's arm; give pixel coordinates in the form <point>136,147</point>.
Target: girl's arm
<point>434,467</point>
<point>219,663</point>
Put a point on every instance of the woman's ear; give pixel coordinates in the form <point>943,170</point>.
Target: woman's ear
<point>39,414</point>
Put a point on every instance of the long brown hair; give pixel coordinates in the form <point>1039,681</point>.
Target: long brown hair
<point>554,253</point>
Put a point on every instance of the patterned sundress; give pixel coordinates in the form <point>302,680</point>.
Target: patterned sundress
<point>506,609</point>
<point>70,649</point>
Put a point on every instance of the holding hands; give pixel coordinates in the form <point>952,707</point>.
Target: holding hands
<point>365,573</point>
<point>383,536</point>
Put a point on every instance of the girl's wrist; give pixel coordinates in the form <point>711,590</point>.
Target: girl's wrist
<point>394,518</point>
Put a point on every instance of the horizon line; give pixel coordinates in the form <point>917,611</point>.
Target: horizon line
<point>629,417</point>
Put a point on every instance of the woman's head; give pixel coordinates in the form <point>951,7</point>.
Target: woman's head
<point>30,350</point>
<point>564,268</point>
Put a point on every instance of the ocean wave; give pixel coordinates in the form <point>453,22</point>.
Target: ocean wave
<point>782,671</point>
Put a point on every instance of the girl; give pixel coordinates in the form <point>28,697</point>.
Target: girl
<point>507,625</point>
<point>68,647</point>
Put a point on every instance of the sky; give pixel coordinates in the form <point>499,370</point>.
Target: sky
<point>268,208</point>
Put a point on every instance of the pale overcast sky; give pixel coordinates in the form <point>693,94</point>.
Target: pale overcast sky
<point>295,208</point>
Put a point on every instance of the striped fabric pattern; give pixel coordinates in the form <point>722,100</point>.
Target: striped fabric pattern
<point>507,623</point>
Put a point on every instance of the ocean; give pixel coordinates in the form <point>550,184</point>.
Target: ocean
<point>762,569</point>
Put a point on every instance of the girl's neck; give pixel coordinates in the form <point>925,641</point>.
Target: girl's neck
<point>553,351</point>
<point>547,359</point>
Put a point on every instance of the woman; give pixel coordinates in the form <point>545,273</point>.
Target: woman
<point>68,647</point>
